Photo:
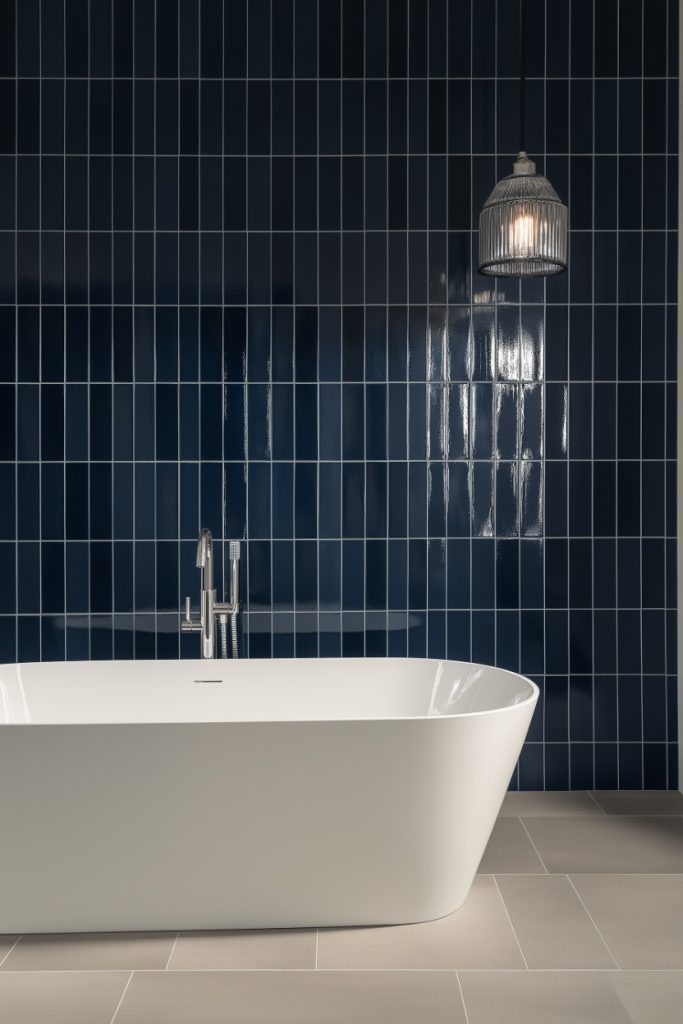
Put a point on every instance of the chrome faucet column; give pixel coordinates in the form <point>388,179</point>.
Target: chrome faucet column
<point>209,608</point>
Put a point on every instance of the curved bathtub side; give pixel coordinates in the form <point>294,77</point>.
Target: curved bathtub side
<point>248,825</point>
<point>473,758</point>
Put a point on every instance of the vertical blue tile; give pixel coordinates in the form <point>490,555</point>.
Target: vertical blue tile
<point>478,455</point>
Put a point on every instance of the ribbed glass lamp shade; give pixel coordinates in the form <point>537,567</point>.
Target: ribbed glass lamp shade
<point>523,226</point>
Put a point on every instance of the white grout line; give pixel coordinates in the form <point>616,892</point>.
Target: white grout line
<point>363,970</point>
<point>123,994</point>
<point>521,821</point>
<point>13,946</point>
<point>507,914</point>
<point>317,936</point>
<point>596,802</point>
<point>578,894</point>
<point>175,942</point>
<point>462,997</point>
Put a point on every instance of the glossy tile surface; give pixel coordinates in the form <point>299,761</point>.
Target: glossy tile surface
<point>301,997</point>
<point>75,997</point>
<point>476,936</point>
<point>234,951</point>
<point>609,844</point>
<point>640,917</point>
<point>238,290</point>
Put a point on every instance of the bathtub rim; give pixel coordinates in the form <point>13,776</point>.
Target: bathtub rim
<point>531,699</point>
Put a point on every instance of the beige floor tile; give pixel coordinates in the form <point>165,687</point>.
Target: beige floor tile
<point>478,935</point>
<point>553,928</point>
<point>296,997</point>
<point>636,801</point>
<point>650,997</point>
<point>544,997</point>
<point>74,997</point>
<point>6,943</point>
<point>639,916</point>
<point>240,951</point>
<point>97,951</point>
<point>510,850</point>
<point>555,804</point>
<point>608,844</point>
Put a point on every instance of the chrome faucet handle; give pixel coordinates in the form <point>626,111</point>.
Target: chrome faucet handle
<point>188,624</point>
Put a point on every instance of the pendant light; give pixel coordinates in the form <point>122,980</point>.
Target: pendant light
<point>523,225</point>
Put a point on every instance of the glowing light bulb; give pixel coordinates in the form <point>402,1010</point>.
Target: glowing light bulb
<point>522,234</point>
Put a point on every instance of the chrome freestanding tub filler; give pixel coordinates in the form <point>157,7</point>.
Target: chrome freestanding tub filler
<point>249,794</point>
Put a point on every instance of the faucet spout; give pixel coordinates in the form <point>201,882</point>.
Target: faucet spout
<point>204,559</point>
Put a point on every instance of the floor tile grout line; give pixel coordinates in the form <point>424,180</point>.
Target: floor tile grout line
<point>545,868</point>
<point>462,997</point>
<point>357,970</point>
<point>507,914</point>
<point>557,874</point>
<point>596,802</point>
<point>317,936</point>
<point>123,996</point>
<point>10,950</point>
<point>170,955</point>
<point>580,899</point>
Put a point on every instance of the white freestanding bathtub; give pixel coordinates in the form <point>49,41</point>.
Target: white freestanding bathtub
<point>254,794</point>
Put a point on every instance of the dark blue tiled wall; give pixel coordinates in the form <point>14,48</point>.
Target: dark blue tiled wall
<point>238,290</point>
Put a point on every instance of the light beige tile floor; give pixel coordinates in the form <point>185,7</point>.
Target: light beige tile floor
<point>650,997</point>
<point>6,944</point>
<point>510,850</point>
<point>64,997</point>
<point>531,805</point>
<point>478,936</point>
<point>636,801</point>
<point>101,951</point>
<point>293,997</point>
<point>577,915</point>
<point>251,950</point>
<point>553,927</point>
<point>639,916</point>
<point>549,997</point>
<point>608,844</point>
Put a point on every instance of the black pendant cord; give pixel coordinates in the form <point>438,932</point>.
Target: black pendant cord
<point>522,75</point>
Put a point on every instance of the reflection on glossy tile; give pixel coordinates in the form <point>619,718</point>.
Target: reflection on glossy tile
<point>97,951</point>
<point>541,998</point>
<point>74,997</point>
<point>643,802</point>
<point>543,805</point>
<point>298,997</point>
<point>476,936</point>
<point>639,916</point>
<point>532,343</point>
<point>510,850</point>
<point>608,844</point>
<point>310,312</point>
<point>243,950</point>
<point>553,928</point>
